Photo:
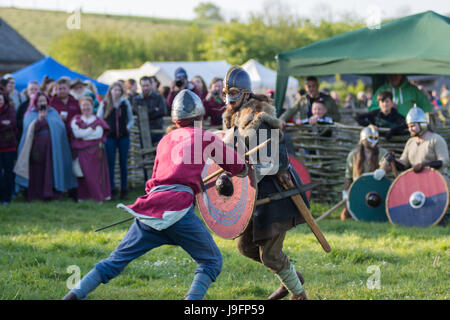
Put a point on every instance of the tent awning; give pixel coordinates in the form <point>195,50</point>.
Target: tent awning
<point>49,67</point>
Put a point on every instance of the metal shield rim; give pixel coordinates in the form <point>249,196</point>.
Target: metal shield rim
<point>350,190</point>
<point>405,172</point>
<point>199,197</point>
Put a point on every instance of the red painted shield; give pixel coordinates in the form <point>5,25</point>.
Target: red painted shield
<point>301,171</point>
<point>417,199</point>
<point>227,217</point>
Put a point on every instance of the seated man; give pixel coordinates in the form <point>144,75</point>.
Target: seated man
<point>385,117</point>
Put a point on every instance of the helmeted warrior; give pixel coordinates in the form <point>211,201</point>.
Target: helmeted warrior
<point>165,215</point>
<point>424,149</point>
<point>253,121</point>
<point>366,157</point>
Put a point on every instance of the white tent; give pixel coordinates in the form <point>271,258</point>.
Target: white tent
<point>165,71</point>
<point>264,79</point>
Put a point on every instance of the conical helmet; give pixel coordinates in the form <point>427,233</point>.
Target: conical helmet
<point>416,115</point>
<point>369,133</point>
<point>187,105</point>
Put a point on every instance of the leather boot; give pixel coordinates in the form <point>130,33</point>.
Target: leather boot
<point>282,292</point>
<point>345,214</point>
<point>70,296</point>
<point>300,296</point>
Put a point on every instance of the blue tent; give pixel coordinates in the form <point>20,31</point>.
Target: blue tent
<point>49,67</point>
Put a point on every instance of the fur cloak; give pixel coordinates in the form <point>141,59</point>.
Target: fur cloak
<point>276,217</point>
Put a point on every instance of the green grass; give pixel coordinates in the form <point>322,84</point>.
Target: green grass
<point>40,240</point>
<point>41,27</point>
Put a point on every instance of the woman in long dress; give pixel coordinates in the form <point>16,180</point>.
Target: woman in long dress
<point>44,165</point>
<point>89,137</point>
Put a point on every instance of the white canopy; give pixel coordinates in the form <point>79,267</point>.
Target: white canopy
<point>165,71</point>
<point>264,79</point>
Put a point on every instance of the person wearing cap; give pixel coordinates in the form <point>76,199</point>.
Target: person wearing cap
<point>181,82</point>
<point>424,149</point>
<point>252,120</point>
<point>366,157</point>
<point>79,89</point>
<point>165,215</point>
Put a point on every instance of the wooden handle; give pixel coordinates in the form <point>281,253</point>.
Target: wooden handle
<point>304,211</point>
<point>337,205</point>
<point>394,169</point>
<point>215,174</point>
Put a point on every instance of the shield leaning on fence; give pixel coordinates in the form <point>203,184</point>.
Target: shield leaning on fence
<point>301,171</point>
<point>227,217</point>
<point>367,198</point>
<point>418,199</point>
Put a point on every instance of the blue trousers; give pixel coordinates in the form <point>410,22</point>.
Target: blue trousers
<point>6,175</point>
<point>189,233</point>
<point>123,144</point>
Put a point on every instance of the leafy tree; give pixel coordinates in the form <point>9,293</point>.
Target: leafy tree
<point>208,11</point>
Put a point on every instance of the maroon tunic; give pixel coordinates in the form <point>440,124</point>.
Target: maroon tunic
<point>214,108</point>
<point>180,158</point>
<point>40,183</point>
<point>95,181</point>
<point>72,108</point>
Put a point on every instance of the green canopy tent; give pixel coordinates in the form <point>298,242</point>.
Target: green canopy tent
<point>416,44</point>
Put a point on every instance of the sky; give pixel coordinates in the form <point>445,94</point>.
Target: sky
<point>184,9</point>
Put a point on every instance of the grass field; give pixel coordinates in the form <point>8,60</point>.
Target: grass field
<point>40,240</point>
<point>41,27</point>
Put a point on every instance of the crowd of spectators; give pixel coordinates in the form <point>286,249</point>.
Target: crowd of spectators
<point>60,137</point>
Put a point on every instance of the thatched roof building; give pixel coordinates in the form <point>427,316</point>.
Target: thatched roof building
<point>15,51</point>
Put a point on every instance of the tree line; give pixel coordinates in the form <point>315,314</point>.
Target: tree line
<point>261,37</point>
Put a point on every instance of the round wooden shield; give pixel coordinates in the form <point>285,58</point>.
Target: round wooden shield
<point>417,199</point>
<point>301,171</point>
<point>367,198</point>
<point>227,217</point>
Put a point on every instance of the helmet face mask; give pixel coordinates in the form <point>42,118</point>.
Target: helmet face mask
<point>369,136</point>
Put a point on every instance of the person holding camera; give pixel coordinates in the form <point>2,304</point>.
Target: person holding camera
<point>180,83</point>
<point>44,165</point>
<point>214,102</point>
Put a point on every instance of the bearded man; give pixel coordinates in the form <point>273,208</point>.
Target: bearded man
<point>252,120</point>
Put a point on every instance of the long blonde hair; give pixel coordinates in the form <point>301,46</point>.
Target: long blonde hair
<point>108,102</point>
